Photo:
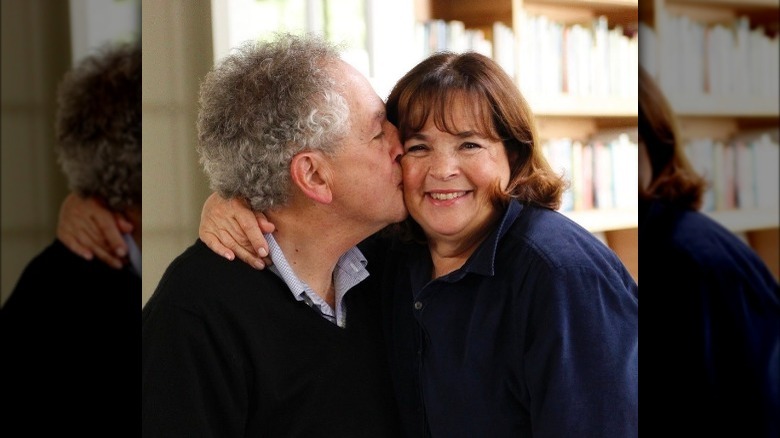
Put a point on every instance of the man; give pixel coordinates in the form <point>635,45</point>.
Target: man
<point>69,329</point>
<point>295,350</point>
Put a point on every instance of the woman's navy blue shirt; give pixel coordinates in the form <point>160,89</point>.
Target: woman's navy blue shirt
<point>710,328</point>
<point>536,335</point>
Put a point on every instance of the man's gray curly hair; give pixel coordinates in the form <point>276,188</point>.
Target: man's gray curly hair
<point>264,103</point>
<point>98,125</point>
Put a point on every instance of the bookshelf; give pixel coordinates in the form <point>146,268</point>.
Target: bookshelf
<point>397,39</point>
<point>717,63</point>
<point>575,109</point>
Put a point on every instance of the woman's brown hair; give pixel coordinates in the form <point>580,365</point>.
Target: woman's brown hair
<point>673,178</point>
<point>435,85</point>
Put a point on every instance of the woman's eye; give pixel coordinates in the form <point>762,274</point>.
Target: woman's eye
<point>415,148</point>
<point>470,145</point>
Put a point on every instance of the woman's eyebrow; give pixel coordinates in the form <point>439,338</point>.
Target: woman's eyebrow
<point>418,136</point>
<point>466,134</point>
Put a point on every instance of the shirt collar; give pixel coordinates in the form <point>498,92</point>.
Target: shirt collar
<point>350,270</point>
<point>133,253</point>
<point>483,261</point>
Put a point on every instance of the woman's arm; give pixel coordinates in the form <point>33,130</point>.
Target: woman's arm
<point>228,227</point>
<point>90,229</point>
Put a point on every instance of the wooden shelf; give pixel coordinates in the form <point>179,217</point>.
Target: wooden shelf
<point>740,221</point>
<point>725,106</point>
<point>602,220</point>
<point>736,4</point>
<point>592,4</point>
<point>482,14</point>
<point>578,106</point>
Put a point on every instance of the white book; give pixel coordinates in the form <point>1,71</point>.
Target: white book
<point>600,71</point>
<point>456,36</point>
<point>587,176</point>
<point>602,174</point>
<point>577,175</point>
<point>700,154</point>
<point>584,44</point>
<point>559,156</point>
<point>504,47</point>
<point>767,157</point>
<point>741,60</point>
<point>648,49</point>
<point>625,154</point>
<point>745,174</point>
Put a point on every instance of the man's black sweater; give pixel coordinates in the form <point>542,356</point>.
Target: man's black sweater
<point>229,352</point>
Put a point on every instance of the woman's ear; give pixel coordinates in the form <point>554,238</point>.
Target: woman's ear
<point>311,174</point>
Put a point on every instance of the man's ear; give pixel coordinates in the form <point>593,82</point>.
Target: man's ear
<point>311,174</point>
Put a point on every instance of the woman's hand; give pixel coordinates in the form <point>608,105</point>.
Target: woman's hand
<point>230,228</point>
<point>90,229</point>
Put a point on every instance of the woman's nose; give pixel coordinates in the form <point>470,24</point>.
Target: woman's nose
<point>443,166</point>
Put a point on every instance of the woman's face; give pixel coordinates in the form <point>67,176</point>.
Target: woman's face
<point>448,179</point>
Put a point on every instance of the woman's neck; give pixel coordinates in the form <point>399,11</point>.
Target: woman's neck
<point>450,254</point>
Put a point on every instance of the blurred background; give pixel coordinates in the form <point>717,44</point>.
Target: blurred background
<point>578,114</point>
<point>41,40</point>
<point>718,64</point>
<point>574,60</point>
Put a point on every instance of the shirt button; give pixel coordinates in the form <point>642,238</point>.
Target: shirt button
<point>417,305</point>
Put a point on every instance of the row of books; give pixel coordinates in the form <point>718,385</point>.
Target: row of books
<point>437,35</point>
<point>576,59</point>
<point>548,57</point>
<point>742,172</point>
<point>601,171</point>
<point>695,58</point>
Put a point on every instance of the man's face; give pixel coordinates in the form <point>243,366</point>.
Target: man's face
<point>367,175</point>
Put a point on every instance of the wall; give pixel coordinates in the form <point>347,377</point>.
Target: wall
<point>35,54</point>
<point>177,51</point>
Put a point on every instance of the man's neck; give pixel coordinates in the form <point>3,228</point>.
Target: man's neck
<point>312,246</point>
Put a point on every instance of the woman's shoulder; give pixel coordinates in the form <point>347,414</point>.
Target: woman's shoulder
<point>559,242</point>
<point>545,227</point>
